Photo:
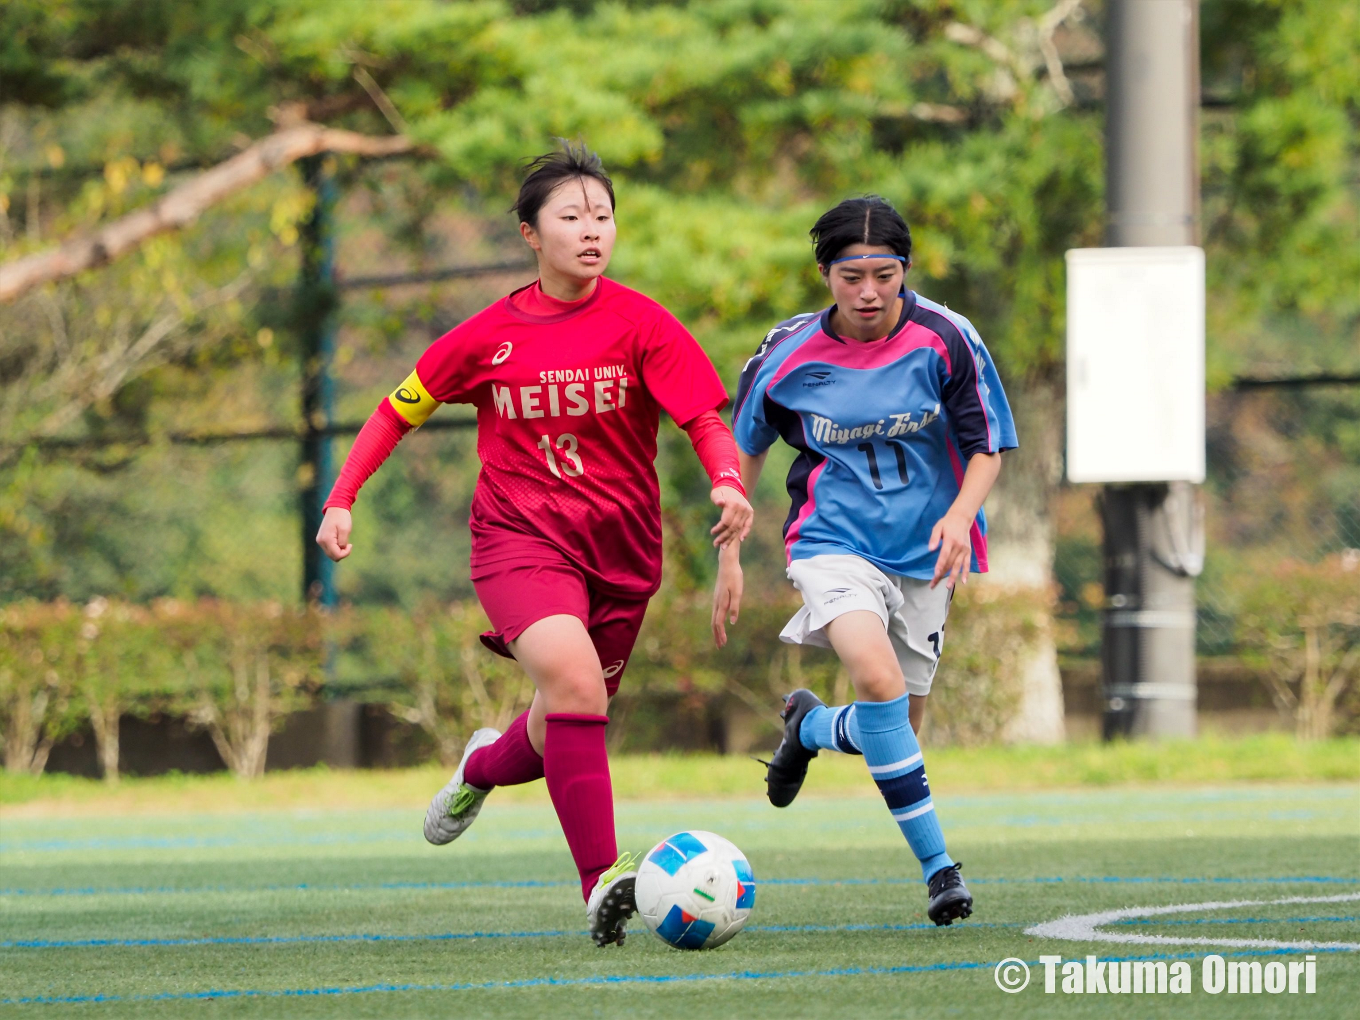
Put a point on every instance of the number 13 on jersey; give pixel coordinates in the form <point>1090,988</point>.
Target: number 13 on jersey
<point>566,447</point>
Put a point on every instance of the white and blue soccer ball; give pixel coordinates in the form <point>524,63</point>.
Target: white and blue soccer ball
<point>695,890</point>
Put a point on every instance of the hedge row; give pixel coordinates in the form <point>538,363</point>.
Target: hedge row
<point>236,670</point>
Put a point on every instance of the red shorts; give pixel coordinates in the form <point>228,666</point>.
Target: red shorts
<point>539,582</point>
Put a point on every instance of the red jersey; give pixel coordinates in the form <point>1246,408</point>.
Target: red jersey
<point>567,412</point>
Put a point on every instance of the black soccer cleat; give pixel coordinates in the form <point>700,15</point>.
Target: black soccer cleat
<point>786,771</point>
<point>950,899</point>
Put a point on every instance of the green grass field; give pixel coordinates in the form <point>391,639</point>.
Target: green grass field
<point>335,906</point>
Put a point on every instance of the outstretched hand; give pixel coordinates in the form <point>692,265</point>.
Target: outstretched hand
<point>333,535</point>
<point>951,536</point>
<point>727,593</point>
<point>735,523</point>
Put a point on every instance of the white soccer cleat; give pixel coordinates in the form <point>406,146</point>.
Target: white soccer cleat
<point>612,901</point>
<point>455,807</point>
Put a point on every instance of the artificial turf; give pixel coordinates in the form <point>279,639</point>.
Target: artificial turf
<point>326,912</point>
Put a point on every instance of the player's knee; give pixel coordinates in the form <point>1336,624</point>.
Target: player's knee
<point>879,683</point>
<point>579,691</point>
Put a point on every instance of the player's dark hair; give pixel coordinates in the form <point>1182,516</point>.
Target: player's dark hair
<point>869,220</point>
<point>569,161</point>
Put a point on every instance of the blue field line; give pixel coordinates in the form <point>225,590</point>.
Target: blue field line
<point>605,980</point>
<point>273,940</point>
<point>134,890</point>
<point>1059,879</point>
<point>1172,880</point>
<point>261,831</point>
<point>551,884</point>
<point>196,842</point>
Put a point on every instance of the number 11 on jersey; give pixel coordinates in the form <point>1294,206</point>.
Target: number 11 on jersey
<point>566,446</point>
<point>872,456</point>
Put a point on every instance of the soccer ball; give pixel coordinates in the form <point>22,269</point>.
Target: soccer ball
<point>695,890</point>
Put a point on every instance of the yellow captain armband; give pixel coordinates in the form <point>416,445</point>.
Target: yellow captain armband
<point>412,401</point>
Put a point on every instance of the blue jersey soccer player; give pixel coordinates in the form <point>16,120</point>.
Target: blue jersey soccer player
<point>899,420</point>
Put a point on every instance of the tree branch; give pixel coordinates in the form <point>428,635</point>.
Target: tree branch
<point>187,202</point>
<point>971,35</point>
<point>939,113</point>
<point>1048,25</point>
<point>1015,66</point>
<point>129,360</point>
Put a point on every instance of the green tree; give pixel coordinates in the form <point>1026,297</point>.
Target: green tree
<point>38,679</point>
<point>729,125</point>
<point>125,668</point>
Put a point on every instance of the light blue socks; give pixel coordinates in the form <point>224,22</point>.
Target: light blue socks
<point>829,729</point>
<point>881,730</point>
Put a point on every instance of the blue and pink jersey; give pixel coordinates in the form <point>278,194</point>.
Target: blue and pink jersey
<point>883,431</point>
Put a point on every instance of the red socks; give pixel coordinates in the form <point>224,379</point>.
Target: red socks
<point>510,761</point>
<point>577,769</point>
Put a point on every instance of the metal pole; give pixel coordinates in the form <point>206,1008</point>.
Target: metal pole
<point>315,318</point>
<point>1153,538</point>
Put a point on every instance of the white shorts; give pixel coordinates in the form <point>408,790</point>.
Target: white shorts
<point>912,612</point>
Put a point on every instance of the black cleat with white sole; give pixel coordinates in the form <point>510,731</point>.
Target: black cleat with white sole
<point>950,899</point>
<point>786,770</point>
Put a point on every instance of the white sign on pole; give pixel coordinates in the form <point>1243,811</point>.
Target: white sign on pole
<point>1135,365</point>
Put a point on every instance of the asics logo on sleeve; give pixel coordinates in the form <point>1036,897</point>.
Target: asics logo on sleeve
<point>502,352</point>
<point>406,396</point>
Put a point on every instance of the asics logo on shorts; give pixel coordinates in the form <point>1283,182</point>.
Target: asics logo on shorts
<point>502,352</point>
<point>613,671</point>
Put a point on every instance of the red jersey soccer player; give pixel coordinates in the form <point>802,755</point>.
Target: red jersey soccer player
<point>568,376</point>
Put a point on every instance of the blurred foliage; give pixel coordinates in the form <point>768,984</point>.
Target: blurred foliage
<point>1302,621</point>
<point>1283,487</point>
<point>439,677</point>
<point>38,667</point>
<point>125,663</point>
<point>237,670</point>
<point>676,676</point>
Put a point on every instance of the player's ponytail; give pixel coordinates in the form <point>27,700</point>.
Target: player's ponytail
<point>570,161</point>
<point>869,220</point>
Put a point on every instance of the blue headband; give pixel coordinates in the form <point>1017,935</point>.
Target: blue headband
<point>848,258</point>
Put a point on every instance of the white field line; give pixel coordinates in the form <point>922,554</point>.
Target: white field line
<point>1086,927</point>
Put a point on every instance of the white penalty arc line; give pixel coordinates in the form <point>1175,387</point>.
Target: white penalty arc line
<point>1086,927</point>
